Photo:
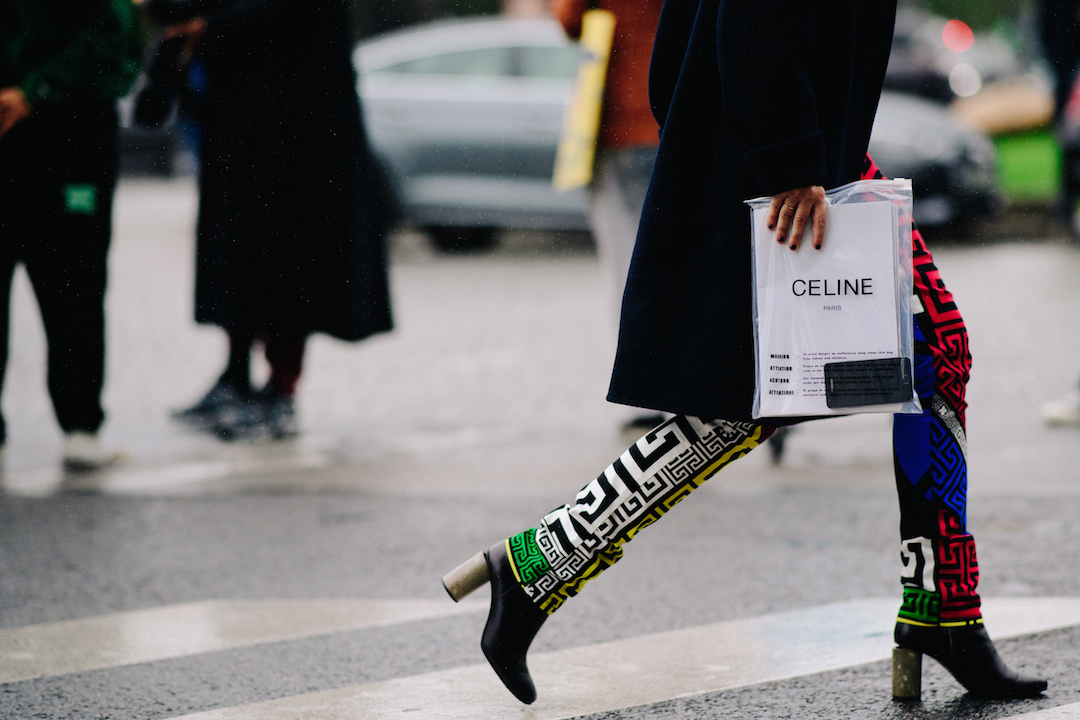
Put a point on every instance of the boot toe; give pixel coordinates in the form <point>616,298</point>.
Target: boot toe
<point>512,623</point>
<point>514,675</point>
<point>1019,686</point>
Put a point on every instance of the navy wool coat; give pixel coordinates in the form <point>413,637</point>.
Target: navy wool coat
<point>753,97</point>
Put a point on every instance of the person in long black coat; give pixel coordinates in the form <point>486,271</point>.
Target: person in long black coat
<point>292,206</point>
<point>754,97</point>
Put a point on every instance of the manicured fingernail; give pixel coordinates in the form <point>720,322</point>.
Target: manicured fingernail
<point>772,226</point>
<point>793,246</point>
<point>817,247</point>
<point>780,239</point>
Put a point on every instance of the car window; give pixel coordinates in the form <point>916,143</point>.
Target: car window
<point>549,62</point>
<point>481,62</point>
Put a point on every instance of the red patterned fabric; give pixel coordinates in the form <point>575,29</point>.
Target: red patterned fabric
<point>957,571</point>
<point>930,457</point>
<point>952,355</point>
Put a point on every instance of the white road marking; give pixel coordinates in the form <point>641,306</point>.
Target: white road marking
<point>650,668</point>
<point>179,478</point>
<point>195,628</point>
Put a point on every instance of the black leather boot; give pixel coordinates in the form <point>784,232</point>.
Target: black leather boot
<point>512,623</point>
<point>968,653</point>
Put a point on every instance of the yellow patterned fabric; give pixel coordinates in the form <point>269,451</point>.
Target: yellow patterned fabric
<point>577,542</point>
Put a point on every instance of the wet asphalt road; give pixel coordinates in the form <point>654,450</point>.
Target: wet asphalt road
<point>482,411</point>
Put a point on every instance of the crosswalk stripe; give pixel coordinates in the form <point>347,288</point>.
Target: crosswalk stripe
<point>1058,713</point>
<point>651,668</point>
<point>178,478</point>
<point>195,628</point>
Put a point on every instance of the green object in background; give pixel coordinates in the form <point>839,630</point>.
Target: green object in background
<point>80,199</point>
<point>981,15</point>
<point>1029,165</point>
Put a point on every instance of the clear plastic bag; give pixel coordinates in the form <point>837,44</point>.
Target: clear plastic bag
<point>833,329</point>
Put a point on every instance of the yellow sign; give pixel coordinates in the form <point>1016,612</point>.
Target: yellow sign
<point>577,145</point>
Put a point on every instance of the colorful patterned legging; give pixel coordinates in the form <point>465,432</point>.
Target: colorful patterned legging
<point>576,542</point>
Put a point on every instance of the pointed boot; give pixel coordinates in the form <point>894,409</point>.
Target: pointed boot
<point>966,652</point>
<point>512,623</point>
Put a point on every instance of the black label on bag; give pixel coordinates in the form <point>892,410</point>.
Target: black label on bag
<point>867,382</point>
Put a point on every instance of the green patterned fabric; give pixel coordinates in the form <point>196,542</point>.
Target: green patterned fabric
<point>921,606</point>
<point>528,561</point>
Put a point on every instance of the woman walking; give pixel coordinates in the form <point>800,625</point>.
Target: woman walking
<point>755,98</point>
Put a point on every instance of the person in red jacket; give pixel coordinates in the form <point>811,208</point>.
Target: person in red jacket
<point>626,144</point>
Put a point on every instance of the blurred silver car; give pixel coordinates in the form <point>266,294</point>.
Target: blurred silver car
<point>953,168</point>
<point>466,114</point>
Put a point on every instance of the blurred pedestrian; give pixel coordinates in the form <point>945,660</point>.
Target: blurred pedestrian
<point>1059,30</point>
<point>625,146</point>
<point>63,63</point>
<point>754,98</point>
<point>292,206</point>
<point>1059,25</point>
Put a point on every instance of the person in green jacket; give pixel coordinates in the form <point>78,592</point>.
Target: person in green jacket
<point>63,64</point>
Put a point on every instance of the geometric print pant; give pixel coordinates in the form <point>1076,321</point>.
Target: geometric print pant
<point>939,570</point>
<point>576,542</point>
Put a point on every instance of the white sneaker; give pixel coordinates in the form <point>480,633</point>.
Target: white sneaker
<point>1066,411</point>
<point>84,452</point>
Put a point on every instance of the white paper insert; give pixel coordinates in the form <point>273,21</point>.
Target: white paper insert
<point>817,306</point>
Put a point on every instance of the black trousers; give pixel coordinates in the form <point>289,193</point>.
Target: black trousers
<point>57,181</point>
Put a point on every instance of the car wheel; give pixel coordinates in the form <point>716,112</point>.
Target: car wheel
<point>462,239</point>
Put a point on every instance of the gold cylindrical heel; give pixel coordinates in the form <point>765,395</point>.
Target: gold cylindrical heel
<point>906,674</point>
<point>466,577</point>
